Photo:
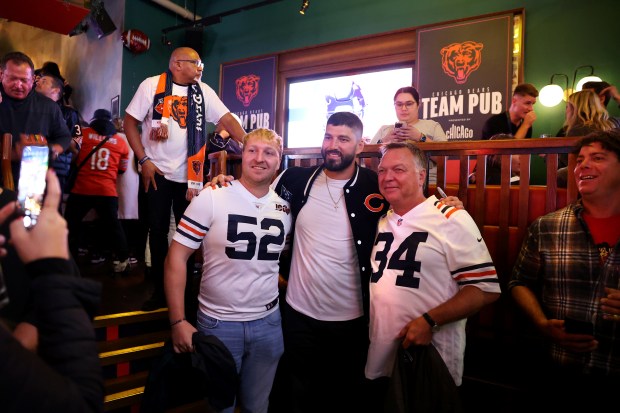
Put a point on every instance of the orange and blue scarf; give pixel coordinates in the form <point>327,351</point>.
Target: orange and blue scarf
<point>196,132</point>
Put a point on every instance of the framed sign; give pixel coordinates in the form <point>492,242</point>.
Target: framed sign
<point>115,106</point>
<point>248,89</point>
<point>465,73</point>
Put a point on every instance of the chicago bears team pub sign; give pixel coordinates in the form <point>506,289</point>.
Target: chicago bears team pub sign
<point>248,90</point>
<point>464,74</point>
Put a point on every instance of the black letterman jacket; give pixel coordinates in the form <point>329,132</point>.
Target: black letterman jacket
<point>365,205</point>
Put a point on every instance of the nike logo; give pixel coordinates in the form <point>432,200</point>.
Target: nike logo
<point>479,239</point>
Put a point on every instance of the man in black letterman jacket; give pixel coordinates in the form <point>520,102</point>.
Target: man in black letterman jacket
<point>325,314</point>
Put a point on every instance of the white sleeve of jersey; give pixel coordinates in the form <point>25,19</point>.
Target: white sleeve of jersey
<point>196,220</point>
<point>467,255</point>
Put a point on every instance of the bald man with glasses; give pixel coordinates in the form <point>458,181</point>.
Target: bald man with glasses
<point>173,108</point>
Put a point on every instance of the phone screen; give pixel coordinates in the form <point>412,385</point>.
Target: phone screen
<point>31,185</point>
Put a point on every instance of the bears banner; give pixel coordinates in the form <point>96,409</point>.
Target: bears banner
<point>249,90</point>
<point>464,74</point>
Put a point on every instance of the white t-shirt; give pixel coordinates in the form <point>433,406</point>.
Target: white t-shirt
<point>170,155</point>
<point>442,251</point>
<point>324,280</point>
<point>242,237</point>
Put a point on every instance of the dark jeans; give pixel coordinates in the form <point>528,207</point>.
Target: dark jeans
<point>168,195</point>
<point>107,209</point>
<point>323,364</point>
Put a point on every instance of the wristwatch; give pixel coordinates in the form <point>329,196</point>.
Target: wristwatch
<point>434,326</point>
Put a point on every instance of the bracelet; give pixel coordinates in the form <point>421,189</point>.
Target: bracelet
<point>144,159</point>
<point>174,323</point>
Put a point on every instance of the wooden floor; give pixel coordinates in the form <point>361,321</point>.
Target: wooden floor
<point>120,293</point>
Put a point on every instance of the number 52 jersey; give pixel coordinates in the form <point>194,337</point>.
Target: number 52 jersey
<point>242,237</point>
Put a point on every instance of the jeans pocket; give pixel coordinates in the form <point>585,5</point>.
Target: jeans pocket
<point>206,322</point>
<point>274,319</point>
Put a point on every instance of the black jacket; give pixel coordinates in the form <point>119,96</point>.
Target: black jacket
<point>365,205</point>
<point>178,379</point>
<point>36,114</point>
<point>421,383</point>
<point>64,376</point>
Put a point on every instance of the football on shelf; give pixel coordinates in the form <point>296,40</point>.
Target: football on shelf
<point>136,41</point>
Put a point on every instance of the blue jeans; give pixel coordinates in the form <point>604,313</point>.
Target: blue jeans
<point>256,347</point>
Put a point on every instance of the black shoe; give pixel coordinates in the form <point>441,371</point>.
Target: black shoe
<point>155,302</point>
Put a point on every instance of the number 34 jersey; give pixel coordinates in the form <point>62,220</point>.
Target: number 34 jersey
<point>421,260</point>
<point>242,237</point>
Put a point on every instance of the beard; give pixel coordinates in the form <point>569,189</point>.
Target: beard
<point>337,165</point>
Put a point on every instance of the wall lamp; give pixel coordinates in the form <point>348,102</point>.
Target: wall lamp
<point>304,5</point>
<point>552,94</point>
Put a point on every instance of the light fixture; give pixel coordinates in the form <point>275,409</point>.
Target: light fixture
<point>553,94</point>
<point>304,5</point>
<point>588,78</point>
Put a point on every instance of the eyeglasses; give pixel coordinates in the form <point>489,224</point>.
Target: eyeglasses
<point>198,63</point>
<point>408,105</point>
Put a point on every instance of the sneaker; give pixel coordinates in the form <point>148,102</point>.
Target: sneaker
<point>97,259</point>
<point>133,260</point>
<point>121,266</point>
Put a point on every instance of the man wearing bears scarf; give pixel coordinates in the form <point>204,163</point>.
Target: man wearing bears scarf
<point>173,108</point>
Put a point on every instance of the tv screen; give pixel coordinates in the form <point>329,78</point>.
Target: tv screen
<point>369,95</point>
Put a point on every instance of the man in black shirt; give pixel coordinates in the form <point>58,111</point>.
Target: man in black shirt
<point>24,111</point>
<point>519,118</point>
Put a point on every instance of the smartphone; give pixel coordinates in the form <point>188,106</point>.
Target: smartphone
<point>398,125</point>
<point>574,326</point>
<point>31,184</point>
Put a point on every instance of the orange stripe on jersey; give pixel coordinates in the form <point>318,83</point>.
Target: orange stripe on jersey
<point>451,210</point>
<point>476,274</point>
<point>190,229</point>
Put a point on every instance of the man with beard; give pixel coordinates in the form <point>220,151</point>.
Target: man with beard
<point>325,319</point>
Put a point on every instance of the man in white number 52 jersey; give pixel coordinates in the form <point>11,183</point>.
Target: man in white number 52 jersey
<point>243,228</point>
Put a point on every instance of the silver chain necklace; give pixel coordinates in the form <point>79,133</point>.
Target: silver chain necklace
<point>330,195</point>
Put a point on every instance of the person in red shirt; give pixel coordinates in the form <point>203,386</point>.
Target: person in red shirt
<point>95,185</point>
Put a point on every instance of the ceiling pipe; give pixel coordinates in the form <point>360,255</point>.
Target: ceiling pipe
<point>209,20</point>
<point>183,12</point>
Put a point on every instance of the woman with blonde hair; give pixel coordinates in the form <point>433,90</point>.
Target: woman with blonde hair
<point>585,114</point>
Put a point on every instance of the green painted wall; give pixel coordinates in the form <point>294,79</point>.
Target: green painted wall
<point>559,34</point>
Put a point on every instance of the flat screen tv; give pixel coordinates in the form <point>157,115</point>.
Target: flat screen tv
<point>370,95</point>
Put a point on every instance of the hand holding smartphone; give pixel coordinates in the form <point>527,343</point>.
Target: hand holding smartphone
<point>31,184</point>
<point>574,326</point>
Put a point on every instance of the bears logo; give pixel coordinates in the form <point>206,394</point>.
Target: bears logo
<point>178,110</point>
<point>247,88</point>
<point>459,60</point>
<point>197,167</point>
